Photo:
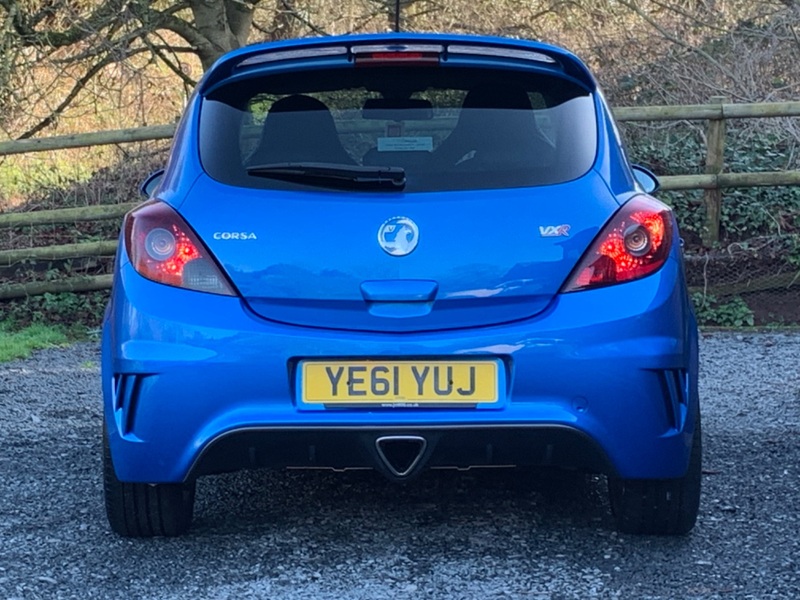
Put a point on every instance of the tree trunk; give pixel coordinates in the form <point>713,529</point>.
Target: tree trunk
<point>285,24</point>
<point>240,19</point>
<point>224,23</point>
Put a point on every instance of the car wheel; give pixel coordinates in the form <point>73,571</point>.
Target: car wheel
<point>661,506</point>
<point>142,509</point>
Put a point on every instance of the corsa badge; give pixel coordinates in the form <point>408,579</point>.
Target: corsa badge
<point>234,235</point>
<point>554,230</point>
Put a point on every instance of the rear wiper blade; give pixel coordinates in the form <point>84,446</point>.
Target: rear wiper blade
<point>333,175</point>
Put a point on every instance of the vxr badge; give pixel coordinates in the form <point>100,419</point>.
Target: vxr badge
<point>554,230</point>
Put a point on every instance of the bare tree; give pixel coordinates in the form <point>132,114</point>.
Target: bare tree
<point>209,27</point>
<point>84,39</point>
<point>643,50</point>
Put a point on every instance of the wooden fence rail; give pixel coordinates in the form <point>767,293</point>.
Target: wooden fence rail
<point>85,140</point>
<point>688,112</point>
<point>38,288</point>
<point>717,112</point>
<point>61,216</point>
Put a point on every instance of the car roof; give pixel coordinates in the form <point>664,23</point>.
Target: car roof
<point>564,60</point>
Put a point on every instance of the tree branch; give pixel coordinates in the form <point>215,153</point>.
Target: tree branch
<point>175,68</point>
<point>690,17</point>
<point>678,42</point>
<point>76,89</point>
<point>154,19</point>
<point>24,25</point>
<point>291,11</point>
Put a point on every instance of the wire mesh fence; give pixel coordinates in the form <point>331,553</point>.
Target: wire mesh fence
<point>755,282</point>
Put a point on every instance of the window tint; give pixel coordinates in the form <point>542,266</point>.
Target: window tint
<point>449,128</point>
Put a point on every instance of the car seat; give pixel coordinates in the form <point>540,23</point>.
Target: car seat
<point>506,137</point>
<point>299,128</point>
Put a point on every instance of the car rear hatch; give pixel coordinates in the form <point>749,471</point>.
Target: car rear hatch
<point>483,258</point>
<point>399,188</point>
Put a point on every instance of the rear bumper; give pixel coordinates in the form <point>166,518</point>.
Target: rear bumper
<point>457,446</point>
<point>604,380</point>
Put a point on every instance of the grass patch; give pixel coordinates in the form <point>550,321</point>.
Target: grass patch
<point>20,344</point>
<point>27,175</point>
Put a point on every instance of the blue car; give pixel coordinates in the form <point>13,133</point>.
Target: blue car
<point>400,252</point>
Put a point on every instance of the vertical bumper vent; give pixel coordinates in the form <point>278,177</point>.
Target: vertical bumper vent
<point>675,386</point>
<point>127,387</point>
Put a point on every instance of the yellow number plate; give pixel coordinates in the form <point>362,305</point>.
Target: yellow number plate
<point>399,382</point>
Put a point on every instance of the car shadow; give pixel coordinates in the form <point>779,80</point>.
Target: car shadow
<point>549,498</point>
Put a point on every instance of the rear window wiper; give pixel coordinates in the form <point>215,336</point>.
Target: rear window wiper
<point>333,175</point>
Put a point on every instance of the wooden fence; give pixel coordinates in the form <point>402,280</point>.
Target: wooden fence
<point>713,181</point>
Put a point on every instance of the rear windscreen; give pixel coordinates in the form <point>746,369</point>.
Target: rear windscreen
<point>447,128</point>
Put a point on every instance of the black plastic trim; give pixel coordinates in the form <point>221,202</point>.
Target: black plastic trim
<point>354,447</point>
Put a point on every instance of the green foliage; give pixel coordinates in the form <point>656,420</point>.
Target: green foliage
<point>20,343</point>
<point>78,314</point>
<point>793,250</point>
<point>667,151</point>
<point>690,213</point>
<point>752,212</point>
<point>746,212</point>
<point>28,175</point>
<point>673,151</point>
<point>732,313</point>
<point>78,176</point>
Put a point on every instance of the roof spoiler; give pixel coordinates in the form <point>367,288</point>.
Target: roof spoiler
<point>349,47</point>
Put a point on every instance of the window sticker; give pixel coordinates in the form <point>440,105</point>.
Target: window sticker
<point>405,144</point>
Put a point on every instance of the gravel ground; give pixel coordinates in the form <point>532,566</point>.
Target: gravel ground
<point>450,536</point>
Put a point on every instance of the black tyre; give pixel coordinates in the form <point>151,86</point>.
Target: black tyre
<point>660,506</point>
<point>142,509</point>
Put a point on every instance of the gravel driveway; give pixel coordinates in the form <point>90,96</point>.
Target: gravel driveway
<point>340,536</point>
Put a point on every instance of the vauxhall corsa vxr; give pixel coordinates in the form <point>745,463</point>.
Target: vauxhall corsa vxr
<point>400,252</point>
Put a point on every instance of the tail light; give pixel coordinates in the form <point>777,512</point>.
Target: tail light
<point>163,248</point>
<point>397,55</point>
<point>634,244</point>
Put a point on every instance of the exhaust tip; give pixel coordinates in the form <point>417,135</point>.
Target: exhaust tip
<point>401,454</point>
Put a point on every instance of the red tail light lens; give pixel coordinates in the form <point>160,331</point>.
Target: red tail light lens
<point>402,55</point>
<point>634,244</point>
<point>415,59</point>
<point>161,247</point>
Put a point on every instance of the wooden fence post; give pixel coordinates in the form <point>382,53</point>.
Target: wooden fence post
<point>715,161</point>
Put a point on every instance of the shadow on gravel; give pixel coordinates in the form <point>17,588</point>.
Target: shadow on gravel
<point>542,498</point>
